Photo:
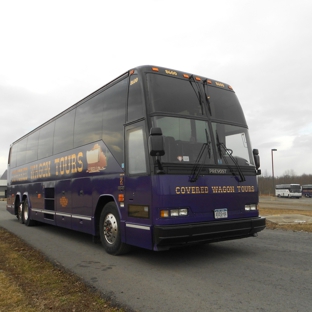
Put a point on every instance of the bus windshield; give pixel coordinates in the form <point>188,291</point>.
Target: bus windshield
<point>224,105</point>
<point>183,138</point>
<point>200,105</point>
<point>232,141</point>
<point>175,96</point>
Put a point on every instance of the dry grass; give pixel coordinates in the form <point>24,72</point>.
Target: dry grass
<point>291,227</point>
<point>28,282</point>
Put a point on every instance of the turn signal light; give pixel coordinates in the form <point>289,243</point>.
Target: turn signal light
<point>174,213</point>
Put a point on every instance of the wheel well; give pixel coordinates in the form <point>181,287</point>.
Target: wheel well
<point>18,200</point>
<point>16,204</point>
<point>103,200</point>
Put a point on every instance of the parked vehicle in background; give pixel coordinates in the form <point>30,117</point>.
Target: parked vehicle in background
<point>288,190</point>
<point>307,190</point>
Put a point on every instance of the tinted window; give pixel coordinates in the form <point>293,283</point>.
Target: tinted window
<point>89,121</point>
<point>32,147</point>
<point>64,132</point>
<point>21,152</point>
<point>225,105</point>
<point>114,100</point>
<point>13,156</point>
<point>45,145</point>
<point>136,100</point>
<point>136,152</point>
<point>172,95</point>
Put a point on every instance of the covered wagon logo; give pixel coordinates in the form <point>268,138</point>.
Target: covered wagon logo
<point>96,159</point>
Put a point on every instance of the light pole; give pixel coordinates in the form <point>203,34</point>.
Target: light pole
<point>273,150</point>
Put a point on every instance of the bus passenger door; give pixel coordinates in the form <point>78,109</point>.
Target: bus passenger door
<point>137,188</point>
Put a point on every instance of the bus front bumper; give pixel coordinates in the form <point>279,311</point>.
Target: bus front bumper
<point>169,236</point>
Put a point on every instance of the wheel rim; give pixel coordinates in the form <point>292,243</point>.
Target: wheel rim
<point>26,212</point>
<point>110,229</point>
<point>20,209</point>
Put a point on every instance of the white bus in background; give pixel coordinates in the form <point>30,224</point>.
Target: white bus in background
<point>288,190</point>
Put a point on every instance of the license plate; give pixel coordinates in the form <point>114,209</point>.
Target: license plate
<point>220,213</point>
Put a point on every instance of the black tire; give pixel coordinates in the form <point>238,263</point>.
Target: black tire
<point>26,214</point>
<point>110,231</point>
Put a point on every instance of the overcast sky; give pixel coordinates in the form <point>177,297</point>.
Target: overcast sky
<point>54,53</point>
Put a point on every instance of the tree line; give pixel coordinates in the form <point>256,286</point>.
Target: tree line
<point>267,183</point>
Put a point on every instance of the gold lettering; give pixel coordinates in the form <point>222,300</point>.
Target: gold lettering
<point>171,72</point>
<point>246,189</point>
<point>67,164</point>
<point>74,164</point>
<point>132,82</point>
<point>56,161</point>
<point>191,190</point>
<point>62,166</point>
<point>80,167</point>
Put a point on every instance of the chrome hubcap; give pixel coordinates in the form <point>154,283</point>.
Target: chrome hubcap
<point>110,229</point>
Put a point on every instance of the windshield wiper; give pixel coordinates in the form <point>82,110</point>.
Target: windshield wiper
<point>198,94</point>
<point>199,166</point>
<point>229,152</point>
<point>207,97</point>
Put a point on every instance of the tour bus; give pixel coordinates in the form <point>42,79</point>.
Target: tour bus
<point>307,190</point>
<point>288,190</point>
<point>157,158</point>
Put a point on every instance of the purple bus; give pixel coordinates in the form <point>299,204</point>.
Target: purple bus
<point>307,190</point>
<point>157,158</point>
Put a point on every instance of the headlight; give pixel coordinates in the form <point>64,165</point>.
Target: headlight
<point>173,212</point>
<point>250,207</point>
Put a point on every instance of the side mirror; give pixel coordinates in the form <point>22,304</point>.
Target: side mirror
<point>156,142</point>
<point>257,160</point>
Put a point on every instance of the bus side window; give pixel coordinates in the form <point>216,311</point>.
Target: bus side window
<point>114,101</point>
<point>64,132</point>
<point>45,145</point>
<point>32,147</point>
<point>135,101</point>
<point>21,152</point>
<point>136,151</point>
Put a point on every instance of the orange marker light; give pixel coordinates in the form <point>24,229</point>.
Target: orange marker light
<point>121,197</point>
<point>197,78</point>
<point>230,88</point>
<point>209,81</point>
<point>164,213</point>
<point>155,69</point>
<point>131,72</point>
<point>186,76</point>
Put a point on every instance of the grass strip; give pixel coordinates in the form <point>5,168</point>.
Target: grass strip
<point>29,282</point>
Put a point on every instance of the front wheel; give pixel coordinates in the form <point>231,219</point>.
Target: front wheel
<point>110,231</point>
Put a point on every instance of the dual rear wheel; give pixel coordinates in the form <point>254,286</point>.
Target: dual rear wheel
<point>23,213</point>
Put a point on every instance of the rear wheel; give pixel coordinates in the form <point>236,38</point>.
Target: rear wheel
<point>20,212</point>
<point>26,214</point>
<point>110,231</point>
